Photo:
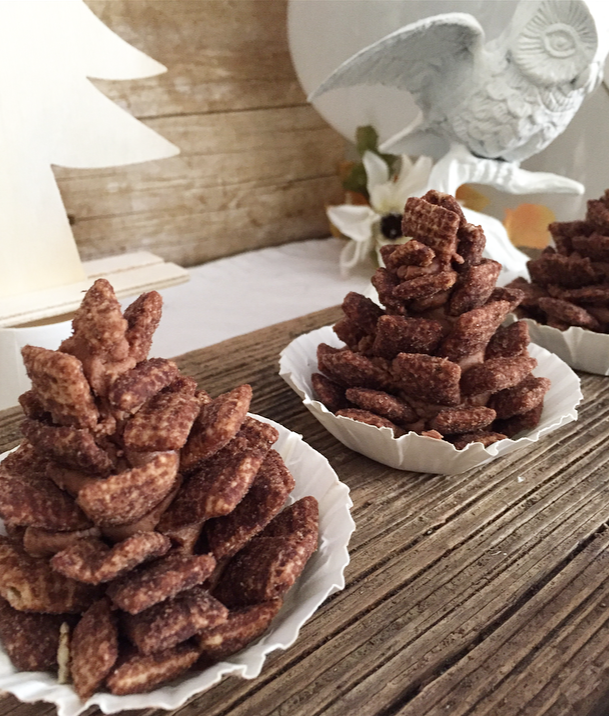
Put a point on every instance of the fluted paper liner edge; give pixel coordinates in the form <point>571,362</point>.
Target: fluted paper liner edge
<point>417,452</point>
<point>323,575</point>
<point>577,347</point>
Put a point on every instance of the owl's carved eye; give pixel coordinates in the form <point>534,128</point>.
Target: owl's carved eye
<point>557,43</point>
<point>560,40</point>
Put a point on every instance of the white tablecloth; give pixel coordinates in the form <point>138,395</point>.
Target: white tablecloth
<point>242,293</point>
<point>223,299</point>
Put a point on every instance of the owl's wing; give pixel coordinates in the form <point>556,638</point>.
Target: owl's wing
<point>419,58</point>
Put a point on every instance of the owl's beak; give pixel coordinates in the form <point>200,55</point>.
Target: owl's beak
<point>590,78</point>
<point>583,78</point>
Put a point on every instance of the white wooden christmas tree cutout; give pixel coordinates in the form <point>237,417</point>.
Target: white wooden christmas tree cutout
<point>52,114</point>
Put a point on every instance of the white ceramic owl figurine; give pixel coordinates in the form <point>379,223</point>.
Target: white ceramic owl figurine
<point>501,100</point>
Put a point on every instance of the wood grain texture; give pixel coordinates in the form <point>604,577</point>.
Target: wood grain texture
<point>480,593</point>
<point>257,163</point>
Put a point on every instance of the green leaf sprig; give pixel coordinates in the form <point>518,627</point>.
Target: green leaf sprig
<point>366,140</point>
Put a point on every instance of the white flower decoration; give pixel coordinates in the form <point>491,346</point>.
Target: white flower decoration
<point>388,195</point>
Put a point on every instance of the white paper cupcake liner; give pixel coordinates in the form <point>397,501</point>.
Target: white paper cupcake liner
<point>578,347</point>
<point>417,452</point>
<point>323,575</point>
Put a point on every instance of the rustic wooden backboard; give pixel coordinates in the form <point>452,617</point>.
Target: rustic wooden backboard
<point>257,163</point>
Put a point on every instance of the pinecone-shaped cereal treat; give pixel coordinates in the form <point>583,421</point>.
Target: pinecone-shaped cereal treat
<point>126,504</point>
<point>569,283</point>
<point>434,358</point>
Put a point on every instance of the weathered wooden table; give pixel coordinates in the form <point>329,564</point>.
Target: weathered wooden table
<point>481,593</point>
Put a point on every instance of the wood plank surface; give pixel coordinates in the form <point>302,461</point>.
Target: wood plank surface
<point>480,593</point>
<point>257,163</point>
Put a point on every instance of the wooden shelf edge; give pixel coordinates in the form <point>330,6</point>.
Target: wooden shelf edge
<point>129,274</point>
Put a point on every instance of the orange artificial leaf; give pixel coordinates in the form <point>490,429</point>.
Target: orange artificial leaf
<point>472,198</point>
<point>527,225</point>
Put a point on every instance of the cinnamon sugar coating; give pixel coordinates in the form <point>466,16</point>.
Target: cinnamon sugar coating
<point>93,562</point>
<point>495,374</point>
<point>73,447</point>
<point>568,313</point>
<point>99,323</point>
<point>270,563</point>
<point>134,387</point>
<point>398,334</point>
<point>221,481</point>
<point>471,243</point>
<point>520,399</point>
<point>531,293</point>
<point>25,462</point>
<point>173,621</point>
<point>472,331</point>
<point>351,333</point>
<point>137,674</point>
<point>412,253</point>
<point>429,378</point>
<point>218,422</point>
<point>424,286</point>
<point>564,231</point>
<point>597,214</point>
<point>514,296</point>
<point>570,283</point>
<point>349,368</point>
<point>267,495</point>
<point>29,584</point>
<point>33,407</point>
<point>509,341</point>
<point>143,317</point>
<point>241,627</point>
<point>475,286</point>
<point>523,421</point>
<point>384,283</point>
<point>331,394</point>
<point>165,421</point>
<point>35,501</point>
<point>436,341</point>
<point>93,648</point>
<point>30,640</point>
<point>567,271</point>
<point>383,404</point>
<point>300,518</point>
<point>433,196</point>
<point>99,339</point>
<point>164,578</point>
<point>100,536</point>
<point>432,225</point>
<point>61,386</point>
<point>126,496</point>
<point>363,312</point>
<point>589,295</point>
<point>462,420</point>
<point>595,246</point>
<point>146,523</point>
